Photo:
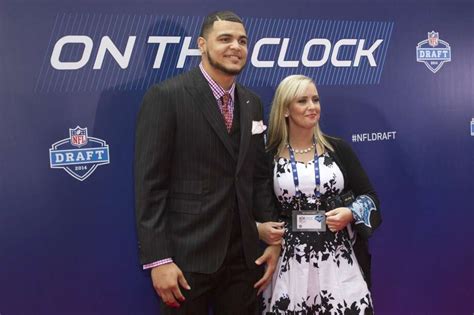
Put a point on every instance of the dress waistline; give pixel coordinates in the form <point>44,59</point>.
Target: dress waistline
<point>327,204</point>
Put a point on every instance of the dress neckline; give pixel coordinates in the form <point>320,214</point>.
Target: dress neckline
<point>301,162</point>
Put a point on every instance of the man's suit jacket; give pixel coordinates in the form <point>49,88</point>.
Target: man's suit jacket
<point>189,180</point>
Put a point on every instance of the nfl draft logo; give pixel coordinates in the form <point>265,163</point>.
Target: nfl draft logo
<point>79,155</point>
<point>78,136</point>
<point>433,52</point>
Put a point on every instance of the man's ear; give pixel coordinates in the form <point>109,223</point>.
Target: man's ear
<point>201,42</point>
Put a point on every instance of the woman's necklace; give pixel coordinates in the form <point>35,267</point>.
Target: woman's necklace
<point>302,151</point>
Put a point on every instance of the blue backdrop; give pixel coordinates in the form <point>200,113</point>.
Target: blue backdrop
<point>67,236</point>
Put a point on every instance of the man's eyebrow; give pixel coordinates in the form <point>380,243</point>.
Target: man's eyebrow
<point>229,34</point>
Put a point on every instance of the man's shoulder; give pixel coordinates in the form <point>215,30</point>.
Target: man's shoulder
<point>244,89</point>
<point>177,82</point>
<point>248,93</point>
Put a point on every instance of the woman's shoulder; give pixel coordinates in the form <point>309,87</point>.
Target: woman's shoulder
<point>341,147</point>
<point>336,142</point>
<point>271,153</point>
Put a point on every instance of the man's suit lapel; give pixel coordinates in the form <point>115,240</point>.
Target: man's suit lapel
<point>203,97</point>
<point>245,124</point>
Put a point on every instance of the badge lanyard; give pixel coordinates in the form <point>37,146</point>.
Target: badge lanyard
<point>296,178</point>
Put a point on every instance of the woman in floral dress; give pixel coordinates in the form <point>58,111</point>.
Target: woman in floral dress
<point>318,271</point>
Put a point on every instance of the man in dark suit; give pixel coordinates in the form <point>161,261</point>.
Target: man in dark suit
<point>202,182</point>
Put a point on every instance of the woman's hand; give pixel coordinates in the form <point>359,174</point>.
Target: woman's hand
<point>271,232</point>
<point>337,219</point>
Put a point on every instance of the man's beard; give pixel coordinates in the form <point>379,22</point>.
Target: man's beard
<point>222,68</point>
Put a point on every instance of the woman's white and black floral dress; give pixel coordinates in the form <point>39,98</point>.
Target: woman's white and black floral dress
<point>317,273</point>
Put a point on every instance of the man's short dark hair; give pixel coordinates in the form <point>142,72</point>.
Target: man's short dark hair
<point>218,16</point>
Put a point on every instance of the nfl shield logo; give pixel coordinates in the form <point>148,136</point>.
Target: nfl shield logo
<point>78,136</point>
<point>433,38</point>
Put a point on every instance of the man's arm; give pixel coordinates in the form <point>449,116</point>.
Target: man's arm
<point>270,258</point>
<point>263,199</point>
<point>153,151</point>
<point>265,210</point>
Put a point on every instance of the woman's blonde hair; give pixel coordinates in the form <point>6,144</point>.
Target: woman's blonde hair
<point>287,91</point>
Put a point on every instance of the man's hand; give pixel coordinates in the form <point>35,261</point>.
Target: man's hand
<point>270,257</point>
<point>165,281</point>
<point>271,232</point>
<point>337,219</point>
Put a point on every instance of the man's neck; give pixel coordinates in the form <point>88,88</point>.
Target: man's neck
<point>224,80</point>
